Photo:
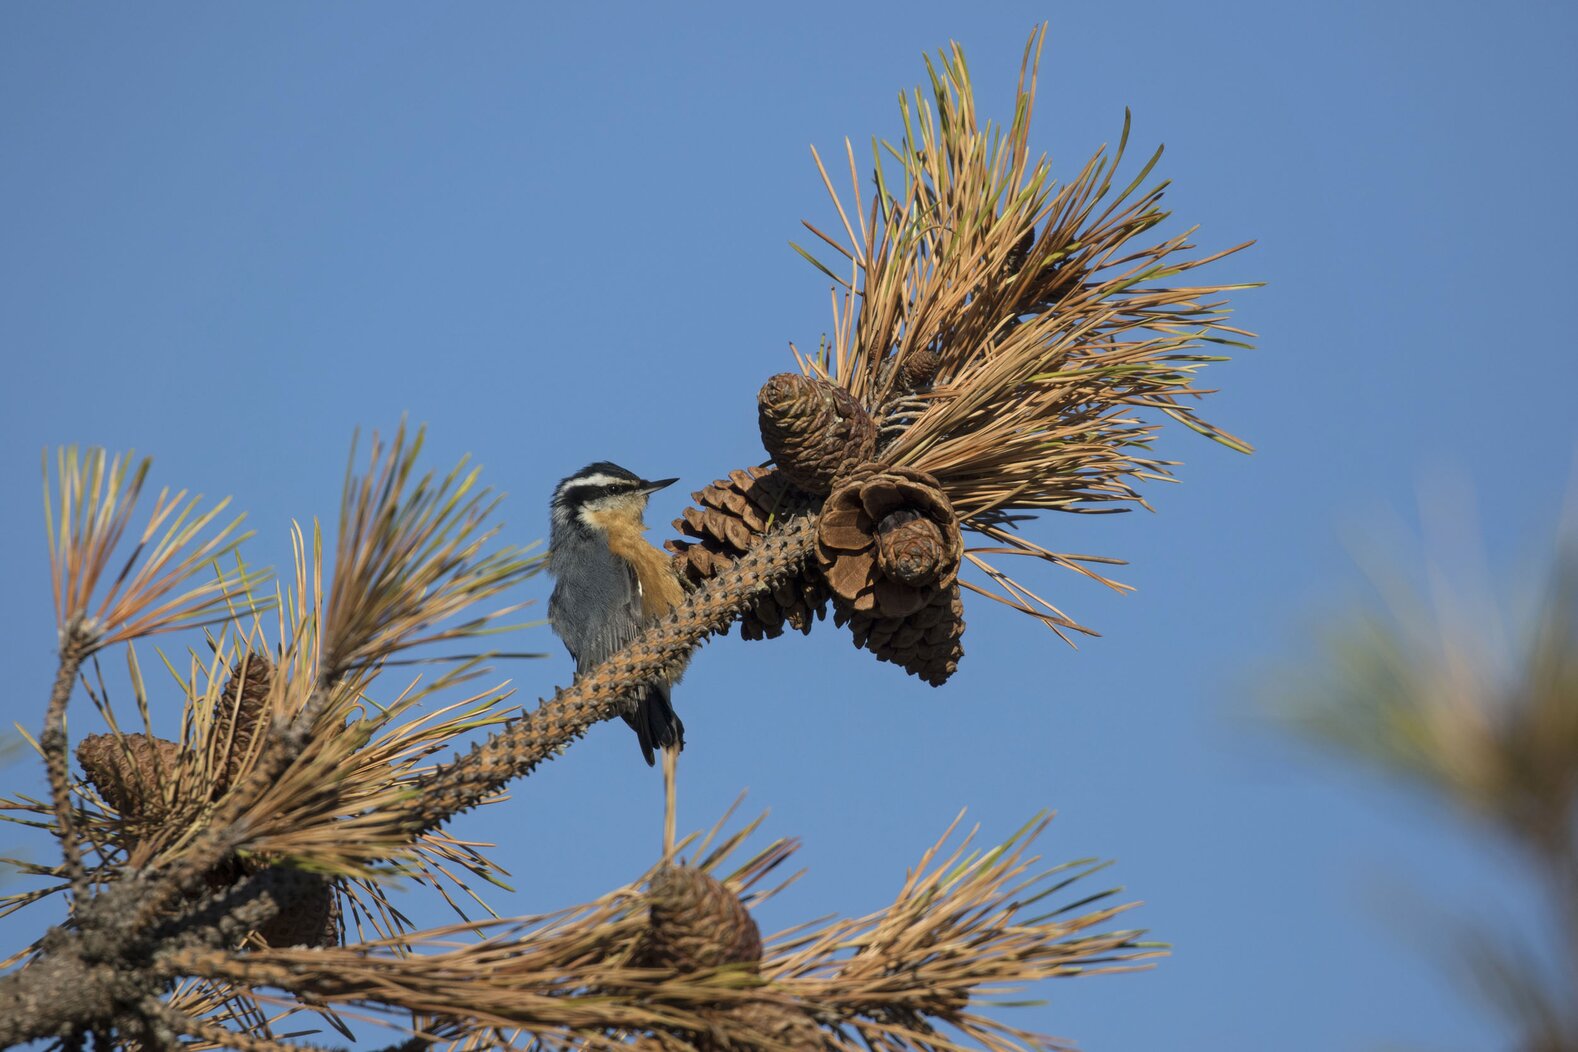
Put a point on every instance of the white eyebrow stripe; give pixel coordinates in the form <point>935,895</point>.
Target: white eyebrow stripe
<point>595,481</point>
<point>599,479</point>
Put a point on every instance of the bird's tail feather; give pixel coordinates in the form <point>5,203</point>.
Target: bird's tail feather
<point>656,724</point>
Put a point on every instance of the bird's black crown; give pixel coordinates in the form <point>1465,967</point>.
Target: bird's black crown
<point>600,479</point>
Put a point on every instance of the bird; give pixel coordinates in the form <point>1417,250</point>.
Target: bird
<point>609,583</point>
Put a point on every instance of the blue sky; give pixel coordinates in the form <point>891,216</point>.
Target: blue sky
<point>558,234</point>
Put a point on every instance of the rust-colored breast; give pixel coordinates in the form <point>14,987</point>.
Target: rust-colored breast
<point>660,587</point>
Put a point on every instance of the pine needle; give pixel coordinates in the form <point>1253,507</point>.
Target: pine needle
<point>957,935</point>
<point>1063,337</point>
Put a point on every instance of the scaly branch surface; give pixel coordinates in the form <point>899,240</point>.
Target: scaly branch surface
<point>57,763</point>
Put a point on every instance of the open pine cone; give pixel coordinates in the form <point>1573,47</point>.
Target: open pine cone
<point>889,546</point>
<point>927,643</point>
<point>728,517</point>
<point>888,538</point>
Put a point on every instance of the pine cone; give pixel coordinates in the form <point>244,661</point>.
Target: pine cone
<point>130,772</point>
<point>777,1027</point>
<point>881,501</point>
<point>696,923</point>
<point>911,549</point>
<point>813,429</point>
<point>728,517</point>
<point>252,676</point>
<point>927,643</point>
<point>310,918</point>
<point>1014,262</point>
<point>918,370</point>
<point>309,914</point>
<point>889,544</point>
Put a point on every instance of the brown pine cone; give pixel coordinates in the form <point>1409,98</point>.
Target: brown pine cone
<point>310,918</point>
<point>131,772</point>
<point>237,720</point>
<point>895,577</point>
<point>814,430</point>
<point>310,912</point>
<point>918,370</point>
<point>725,522</point>
<point>889,544</point>
<point>696,923</point>
<point>927,643</point>
<point>1014,262</point>
<point>773,1026</point>
<point>911,549</point>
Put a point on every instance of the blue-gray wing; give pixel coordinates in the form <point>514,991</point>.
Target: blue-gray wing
<point>598,613</point>
<point>596,609</point>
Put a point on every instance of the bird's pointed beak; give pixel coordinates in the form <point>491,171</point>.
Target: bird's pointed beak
<point>653,487</point>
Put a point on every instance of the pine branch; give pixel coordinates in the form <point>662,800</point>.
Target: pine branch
<point>659,652</point>
<point>57,765</point>
<point>967,925</point>
<point>223,1037</point>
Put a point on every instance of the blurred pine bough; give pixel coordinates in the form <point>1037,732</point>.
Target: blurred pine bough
<point>1413,690</point>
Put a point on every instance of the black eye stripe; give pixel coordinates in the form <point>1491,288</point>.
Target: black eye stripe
<point>581,493</point>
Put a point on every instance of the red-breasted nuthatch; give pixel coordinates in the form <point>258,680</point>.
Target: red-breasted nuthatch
<point>609,583</point>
